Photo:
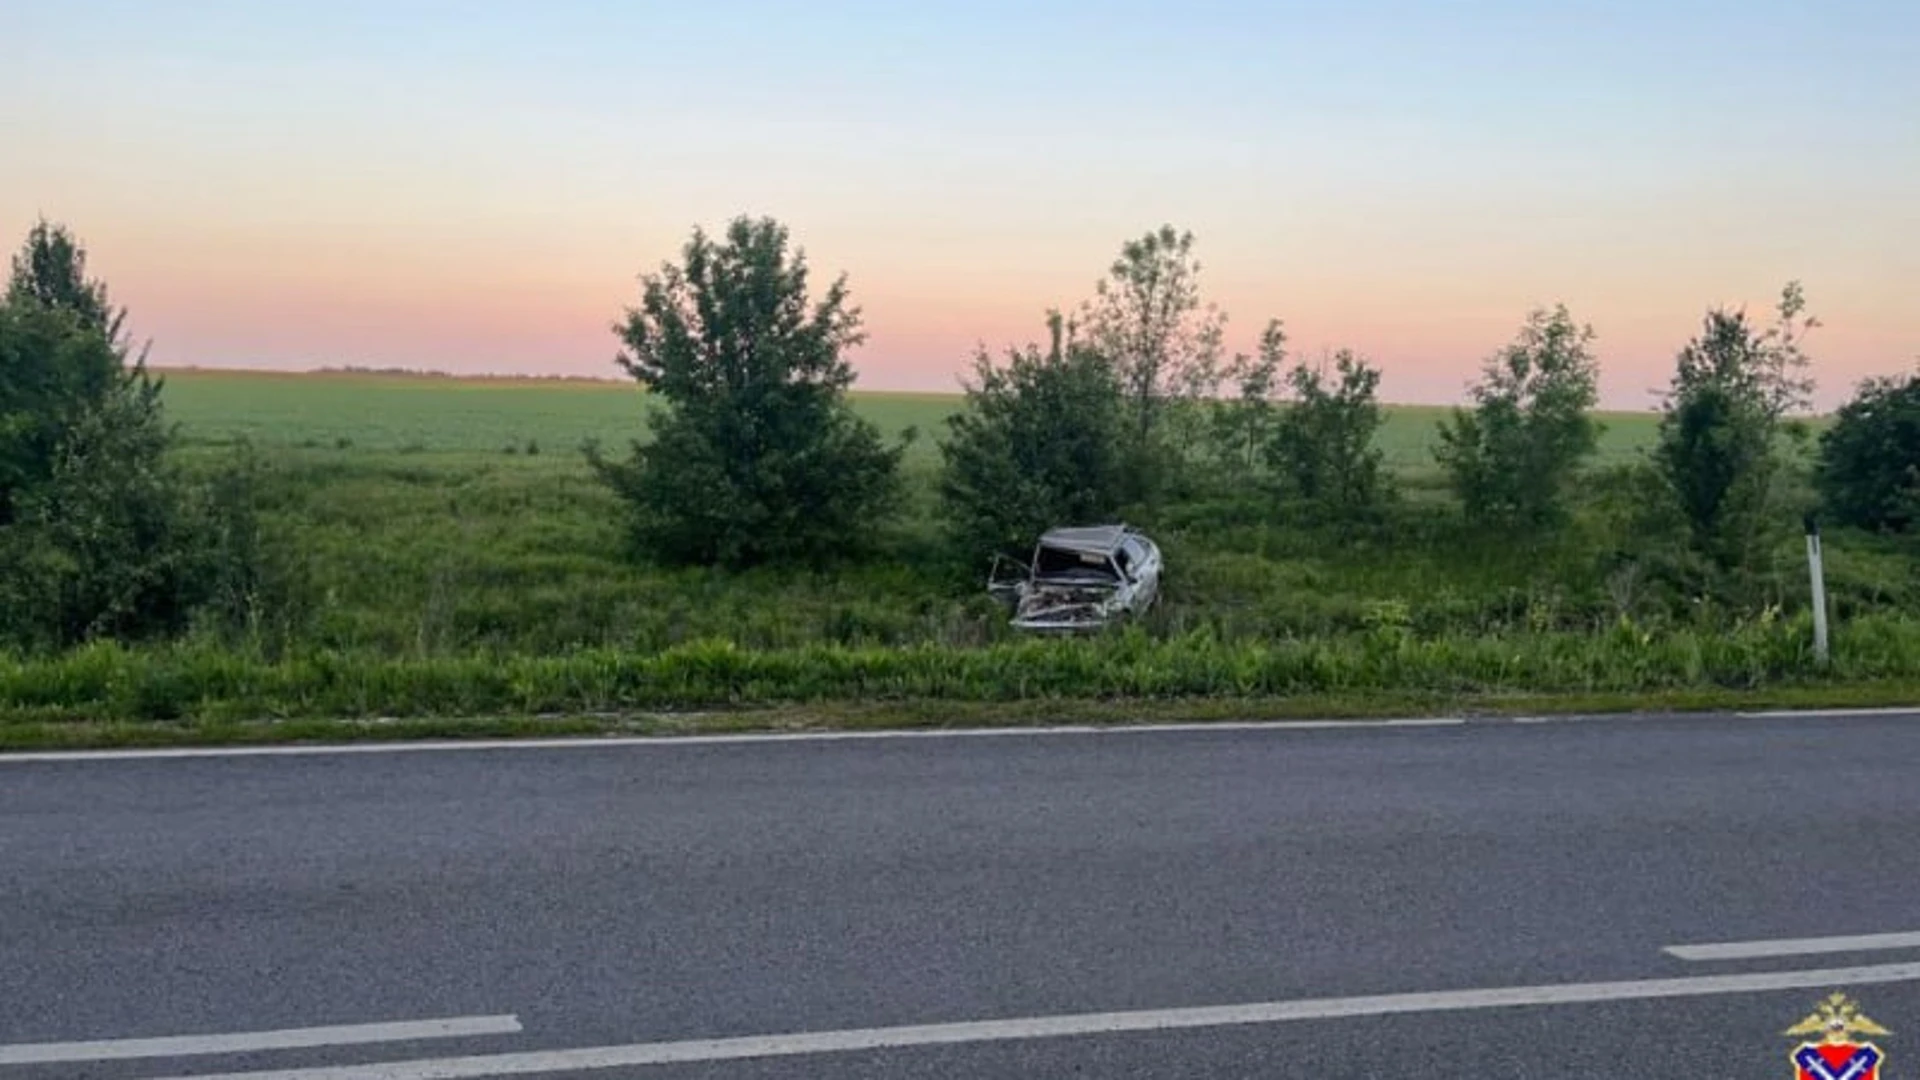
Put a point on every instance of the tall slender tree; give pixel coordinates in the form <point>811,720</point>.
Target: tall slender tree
<point>1149,319</point>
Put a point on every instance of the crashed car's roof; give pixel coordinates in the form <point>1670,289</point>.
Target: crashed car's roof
<point>1091,539</point>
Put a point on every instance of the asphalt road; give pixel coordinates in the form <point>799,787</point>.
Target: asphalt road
<point>606,900</point>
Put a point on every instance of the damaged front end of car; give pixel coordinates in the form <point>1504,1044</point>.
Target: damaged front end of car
<point>1081,579</point>
<point>1068,607</point>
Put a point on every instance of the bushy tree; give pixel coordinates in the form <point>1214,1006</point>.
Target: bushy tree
<point>1038,444</point>
<point>99,535</point>
<point>100,545</point>
<point>1512,459</point>
<point>1149,320</point>
<point>1869,468</point>
<point>62,357</point>
<point>1323,444</point>
<point>1718,449</point>
<point>53,372</point>
<point>50,273</point>
<point>755,454</point>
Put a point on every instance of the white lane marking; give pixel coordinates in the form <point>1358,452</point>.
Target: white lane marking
<point>1813,714</point>
<point>1044,1027</point>
<point>248,1041</point>
<point>1752,950</point>
<point>589,742</point>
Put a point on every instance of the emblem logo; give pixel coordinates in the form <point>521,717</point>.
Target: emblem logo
<point>1840,1054</point>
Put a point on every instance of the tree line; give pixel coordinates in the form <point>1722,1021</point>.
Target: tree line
<point>1130,404</point>
<point>1131,401</point>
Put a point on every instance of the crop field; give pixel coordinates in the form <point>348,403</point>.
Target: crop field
<point>432,414</point>
<point>504,417</point>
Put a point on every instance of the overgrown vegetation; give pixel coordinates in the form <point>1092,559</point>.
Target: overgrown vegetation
<point>107,682</point>
<point>773,538</point>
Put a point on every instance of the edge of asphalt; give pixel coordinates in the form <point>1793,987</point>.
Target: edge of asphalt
<point>68,741</point>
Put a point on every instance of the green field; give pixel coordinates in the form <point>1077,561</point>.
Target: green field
<point>431,414</point>
<point>414,414</point>
<point>442,550</point>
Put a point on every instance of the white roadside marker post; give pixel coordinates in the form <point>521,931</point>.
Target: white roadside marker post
<point>1819,591</point>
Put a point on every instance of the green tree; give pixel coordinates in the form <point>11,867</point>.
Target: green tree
<point>64,357</point>
<point>1243,425</point>
<point>755,454</point>
<point>50,272</point>
<point>1149,320</point>
<point>53,372</point>
<point>1869,468</point>
<point>100,547</point>
<point>1512,459</point>
<point>99,534</point>
<point>1038,444</point>
<point>1722,422</point>
<point>1323,443</point>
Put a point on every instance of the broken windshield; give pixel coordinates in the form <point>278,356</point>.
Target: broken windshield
<point>1058,563</point>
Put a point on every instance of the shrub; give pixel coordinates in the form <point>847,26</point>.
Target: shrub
<point>1322,444</point>
<point>1512,459</point>
<point>1037,445</point>
<point>1241,427</point>
<point>1720,427</point>
<point>1869,468</point>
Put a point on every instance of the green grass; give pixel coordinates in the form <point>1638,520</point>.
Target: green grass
<point>203,682</point>
<point>452,580</point>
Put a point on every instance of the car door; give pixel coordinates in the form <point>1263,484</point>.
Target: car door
<point>1143,567</point>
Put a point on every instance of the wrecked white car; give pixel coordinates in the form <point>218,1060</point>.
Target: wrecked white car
<point>1080,579</point>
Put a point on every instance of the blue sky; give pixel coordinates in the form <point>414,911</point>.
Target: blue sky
<point>474,186</point>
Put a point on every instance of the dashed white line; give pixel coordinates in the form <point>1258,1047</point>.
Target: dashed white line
<point>1753,950</point>
<point>1044,1027</point>
<point>250,1041</point>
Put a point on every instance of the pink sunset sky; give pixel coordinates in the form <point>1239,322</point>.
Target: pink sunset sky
<point>474,188</point>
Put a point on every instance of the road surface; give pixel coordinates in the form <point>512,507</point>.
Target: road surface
<point>1607,897</point>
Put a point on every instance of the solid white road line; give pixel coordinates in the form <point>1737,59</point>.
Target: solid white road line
<point>1041,1027</point>
<point>1750,950</point>
<point>588,742</point>
<point>244,1042</point>
<point>1814,714</point>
